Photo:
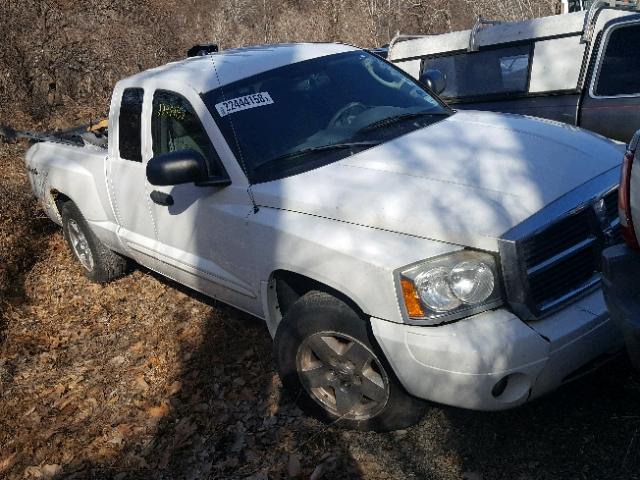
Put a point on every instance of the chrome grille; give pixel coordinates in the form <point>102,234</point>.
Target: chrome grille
<point>570,272</point>
<point>557,238</point>
<point>561,260</point>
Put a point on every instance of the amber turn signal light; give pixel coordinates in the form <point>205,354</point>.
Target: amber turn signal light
<point>411,300</point>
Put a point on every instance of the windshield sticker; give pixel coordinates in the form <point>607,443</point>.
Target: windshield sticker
<point>243,103</point>
<point>171,111</point>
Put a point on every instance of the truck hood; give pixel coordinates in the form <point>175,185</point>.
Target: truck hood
<point>465,180</point>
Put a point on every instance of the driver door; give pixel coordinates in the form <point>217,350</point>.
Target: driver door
<point>202,233</point>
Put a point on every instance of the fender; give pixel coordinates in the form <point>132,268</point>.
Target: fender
<point>344,257</point>
<point>79,174</point>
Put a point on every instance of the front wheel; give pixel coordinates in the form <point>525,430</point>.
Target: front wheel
<point>327,360</point>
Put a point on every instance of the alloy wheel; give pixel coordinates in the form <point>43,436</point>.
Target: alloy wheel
<point>343,375</point>
<point>80,245</point>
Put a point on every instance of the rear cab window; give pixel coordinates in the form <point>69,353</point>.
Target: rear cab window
<point>620,64</point>
<point>130,125</point>
<point>488,72</point>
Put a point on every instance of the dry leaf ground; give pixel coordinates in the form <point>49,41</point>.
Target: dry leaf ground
<point>144,379</point>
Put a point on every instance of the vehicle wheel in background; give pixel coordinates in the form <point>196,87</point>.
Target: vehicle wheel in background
<point>100,264</point>
<point>329,362</point>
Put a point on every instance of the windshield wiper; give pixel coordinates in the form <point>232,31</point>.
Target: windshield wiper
<point>398,118</point>
<point>320,148</point>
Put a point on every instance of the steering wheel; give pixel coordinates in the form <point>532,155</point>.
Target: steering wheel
<point>391,84</point>
<point>349,111</point>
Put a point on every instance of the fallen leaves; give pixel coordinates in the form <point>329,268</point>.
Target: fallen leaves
<point>45,471</point>
<point>137,348</point>
<point>294,468</point>
<point>117,360</point>
<point>141,384</point>
<point>183,431</point>
<point>174,388</point>
<point>7,462</point>
<point>328,463</point>
<point>158,411</point>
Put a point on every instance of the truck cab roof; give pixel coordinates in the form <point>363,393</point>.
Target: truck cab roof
<point>232,65</point>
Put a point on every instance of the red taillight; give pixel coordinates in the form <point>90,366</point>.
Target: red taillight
<point>624,202</point>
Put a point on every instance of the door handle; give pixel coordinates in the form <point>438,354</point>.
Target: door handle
<point>161,198</point>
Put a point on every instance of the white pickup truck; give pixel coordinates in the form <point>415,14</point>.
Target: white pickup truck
<point>398,251</point>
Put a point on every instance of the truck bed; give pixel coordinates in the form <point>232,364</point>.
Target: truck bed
<point>79,171</point>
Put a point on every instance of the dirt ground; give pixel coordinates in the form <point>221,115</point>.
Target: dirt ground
<point>144,379</point>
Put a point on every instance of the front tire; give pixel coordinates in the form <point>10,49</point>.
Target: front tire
<point>99,263</point>
<point>328,360</point>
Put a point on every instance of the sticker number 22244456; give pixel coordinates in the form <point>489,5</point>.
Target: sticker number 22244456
<point>243,103</point>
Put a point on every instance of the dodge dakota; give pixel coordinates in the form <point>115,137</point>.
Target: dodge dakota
<point>399,252</point>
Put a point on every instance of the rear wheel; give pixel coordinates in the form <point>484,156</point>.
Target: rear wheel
<point>328,360</point>
<point>100,264</point>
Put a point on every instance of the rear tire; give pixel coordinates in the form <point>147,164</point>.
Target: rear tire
<point>330,363</point>
<point>99,263</point>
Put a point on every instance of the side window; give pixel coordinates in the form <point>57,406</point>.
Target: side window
<point>504,70</point>
<point>176,126</point>
<point>620,64</point>
<point>130,124</point>
<point>575,6</point>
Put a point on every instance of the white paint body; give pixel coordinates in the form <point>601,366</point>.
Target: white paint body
<point>462,182</point>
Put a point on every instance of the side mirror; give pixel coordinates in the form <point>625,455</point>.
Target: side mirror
<point>435,80</point>
<point>174,168</point>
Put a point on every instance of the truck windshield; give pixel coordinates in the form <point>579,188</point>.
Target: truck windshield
<point>298,117</point>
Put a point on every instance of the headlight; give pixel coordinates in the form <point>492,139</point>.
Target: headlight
<point>450,287</point>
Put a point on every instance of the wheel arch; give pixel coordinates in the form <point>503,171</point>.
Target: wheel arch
<point>51,201</point>
<point>59,199</point>
<point>285,287</point>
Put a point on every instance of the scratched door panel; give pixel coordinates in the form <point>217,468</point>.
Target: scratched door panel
<point>561,108</point>
<point>612,105</point>
<point>616,118</point>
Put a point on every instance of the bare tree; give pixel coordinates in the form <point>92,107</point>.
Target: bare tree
<point>57,56</point>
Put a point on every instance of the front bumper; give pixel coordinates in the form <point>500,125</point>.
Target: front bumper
<point>621,286</point>
<point>493,360</point>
